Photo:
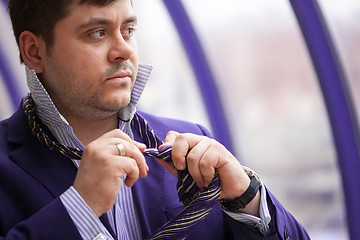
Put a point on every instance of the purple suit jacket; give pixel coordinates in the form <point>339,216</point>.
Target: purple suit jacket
<point>32,178</point>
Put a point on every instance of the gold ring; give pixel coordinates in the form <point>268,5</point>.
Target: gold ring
<point>121,149</point>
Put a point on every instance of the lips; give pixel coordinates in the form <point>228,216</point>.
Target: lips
<point>120,75</point>
<point>120,79</point>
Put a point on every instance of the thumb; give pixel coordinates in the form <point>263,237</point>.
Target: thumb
<point>170,137</point>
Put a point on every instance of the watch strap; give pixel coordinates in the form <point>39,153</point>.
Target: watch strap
<point>240,202</point>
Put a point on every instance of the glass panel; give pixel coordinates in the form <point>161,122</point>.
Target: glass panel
<point>279,121</point>
<point>172,89</point>
<point>342,19</point>
<point>9,52</point>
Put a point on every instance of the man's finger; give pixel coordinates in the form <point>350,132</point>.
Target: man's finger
<point>193,158</point>
<point>130,167</point>
<point>170,137</point>
<point>130,150</point>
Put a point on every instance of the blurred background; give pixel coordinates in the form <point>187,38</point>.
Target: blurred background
<point>267,85</point>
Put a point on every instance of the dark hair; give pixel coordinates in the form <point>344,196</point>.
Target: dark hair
<point>41,16</point>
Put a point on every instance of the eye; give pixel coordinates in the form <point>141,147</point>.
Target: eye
<point>97,34</point>
<point>129,32</point>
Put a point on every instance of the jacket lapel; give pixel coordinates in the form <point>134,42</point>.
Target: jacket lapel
<point>52,170</point>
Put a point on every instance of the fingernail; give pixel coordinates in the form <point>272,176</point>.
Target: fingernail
<point>179,166</point>
<point>140,146</point>
<point>163,145</point>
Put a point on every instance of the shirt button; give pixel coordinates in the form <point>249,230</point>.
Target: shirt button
<point>100,236</point>
<point>286,236</point>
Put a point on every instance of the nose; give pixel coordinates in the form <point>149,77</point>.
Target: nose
<point>120,49</point>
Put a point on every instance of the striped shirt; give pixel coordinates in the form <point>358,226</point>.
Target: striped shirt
<point>122,217</point>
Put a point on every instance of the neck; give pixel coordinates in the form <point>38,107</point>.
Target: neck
<point>87,131</point>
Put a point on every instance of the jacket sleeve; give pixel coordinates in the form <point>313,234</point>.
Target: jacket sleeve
<point>282,226</point>
<point>51,222</point>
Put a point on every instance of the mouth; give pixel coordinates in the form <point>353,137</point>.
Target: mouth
<point>122,77</point>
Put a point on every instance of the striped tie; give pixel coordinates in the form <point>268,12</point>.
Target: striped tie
<point>197,205</point>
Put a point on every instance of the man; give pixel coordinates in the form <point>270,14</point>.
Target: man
<point>85,80</point>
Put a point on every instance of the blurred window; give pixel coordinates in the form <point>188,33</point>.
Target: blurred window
<point>280,125</point>
<point>9,54</point>
<point>270,92</point>
<point>172,89</point>
<point>343,19</point>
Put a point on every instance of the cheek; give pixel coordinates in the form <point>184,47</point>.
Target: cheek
<point>80,57</point>
<point>135,59</point>
<point>135,56</point>
<point>80,60</point>
<point>83,67</point>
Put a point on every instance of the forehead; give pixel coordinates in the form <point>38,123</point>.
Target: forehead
<point>80,13</point>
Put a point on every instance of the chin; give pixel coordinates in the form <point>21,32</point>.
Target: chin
<point>118,103</point>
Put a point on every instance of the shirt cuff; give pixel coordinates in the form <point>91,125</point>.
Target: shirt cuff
<point>261,223</point>
<point>85,220</point>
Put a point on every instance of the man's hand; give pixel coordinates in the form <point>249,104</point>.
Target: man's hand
<point>102,168</point>
<point>203,156</point>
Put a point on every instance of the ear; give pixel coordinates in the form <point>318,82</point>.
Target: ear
<point>32,48</point>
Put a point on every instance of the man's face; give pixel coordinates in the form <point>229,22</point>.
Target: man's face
<point>91,67</point>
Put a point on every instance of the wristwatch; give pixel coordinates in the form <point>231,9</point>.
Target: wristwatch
<point>240,202</point>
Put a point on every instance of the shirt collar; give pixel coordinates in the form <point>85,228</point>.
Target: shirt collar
<point>48,113</point>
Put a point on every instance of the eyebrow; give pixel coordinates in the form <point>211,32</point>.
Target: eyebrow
<point>103,21</point>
